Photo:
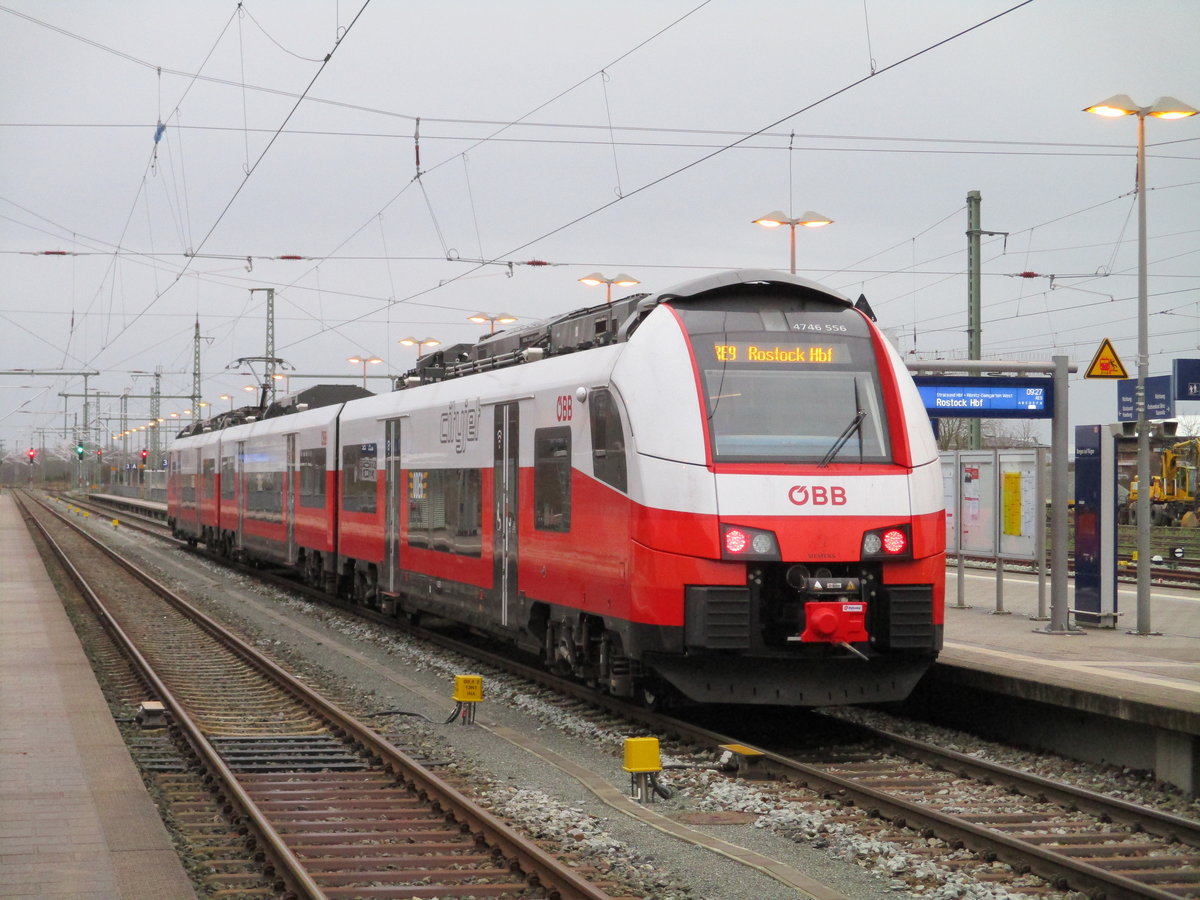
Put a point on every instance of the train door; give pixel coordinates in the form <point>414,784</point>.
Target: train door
<point>395,492</point>
<point>240,493</point>
<point>195,491</point>
<point>289,497</point>
<point>506,444</point>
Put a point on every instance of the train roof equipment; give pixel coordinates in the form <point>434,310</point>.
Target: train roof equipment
<point>592,326</point>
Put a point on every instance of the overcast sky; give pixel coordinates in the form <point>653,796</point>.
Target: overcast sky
<point>620,137</point>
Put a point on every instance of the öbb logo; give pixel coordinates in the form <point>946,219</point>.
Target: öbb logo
<point>817,495</point>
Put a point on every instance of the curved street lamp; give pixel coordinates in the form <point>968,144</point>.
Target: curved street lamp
<point>809,220</point>
<point>419,343</point>
<point>366,361</point>
<point>596,279</point>
<point>1163,108</point>
<point>492,321</point>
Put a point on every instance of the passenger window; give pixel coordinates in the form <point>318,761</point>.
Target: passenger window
<point>228,477</point>
<point>552,479</point>
<point>312,477</point>
<point>608,440</point>
<point>358,477</point>
<point>445,511</point>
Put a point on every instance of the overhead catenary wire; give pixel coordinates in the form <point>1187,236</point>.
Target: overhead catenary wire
<point>242,184</point>
<point>706,157</point>
<point>387,255</point>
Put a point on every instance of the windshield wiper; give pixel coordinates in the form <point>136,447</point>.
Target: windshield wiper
<point>854,426</point>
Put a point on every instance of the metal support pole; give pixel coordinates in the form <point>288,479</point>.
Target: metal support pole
<point>1060,603</point>
<point>1000,610</point>
<point>155,412</point>
<point>1040,540</point>
<point>974,289</point>
<point>196,372</point>
<point>1143,426</point>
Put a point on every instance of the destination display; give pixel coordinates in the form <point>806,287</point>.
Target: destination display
<point>755,352</point>
<point>964,397</point>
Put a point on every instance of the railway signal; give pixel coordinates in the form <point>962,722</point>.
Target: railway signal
<point>32,454</point>
<point>79,451</point>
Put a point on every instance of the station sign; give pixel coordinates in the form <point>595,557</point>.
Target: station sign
<point>1187,379</point>
<point>1160,399</point>
<point>986,397</point>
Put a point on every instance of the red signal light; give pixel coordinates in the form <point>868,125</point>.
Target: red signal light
<point>889,542</point>
<point>145,453</point>
<point>894,541</point>
<point>736,540</point>
<point>32,454</point>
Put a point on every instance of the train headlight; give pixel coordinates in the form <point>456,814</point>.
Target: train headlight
<point>893,542</point>
<point>739,542</point>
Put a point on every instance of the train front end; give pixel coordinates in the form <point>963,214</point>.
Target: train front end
<point>817,528</point>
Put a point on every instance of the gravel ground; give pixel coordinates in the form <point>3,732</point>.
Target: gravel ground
<point>360,661</point>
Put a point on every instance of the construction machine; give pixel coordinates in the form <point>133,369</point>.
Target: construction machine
<point>1173,488</point>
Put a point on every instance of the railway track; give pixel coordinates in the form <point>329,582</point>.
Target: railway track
<point>336,810</point>
<point>1072,837</point>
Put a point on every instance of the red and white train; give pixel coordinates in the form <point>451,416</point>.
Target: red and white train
<point>729,489</point>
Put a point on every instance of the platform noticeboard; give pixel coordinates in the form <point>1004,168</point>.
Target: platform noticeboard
<point>1160,402</point>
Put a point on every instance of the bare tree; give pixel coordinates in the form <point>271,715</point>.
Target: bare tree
<point>955,434</point>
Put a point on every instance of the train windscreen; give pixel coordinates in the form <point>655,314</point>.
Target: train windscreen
<point>787,380</point>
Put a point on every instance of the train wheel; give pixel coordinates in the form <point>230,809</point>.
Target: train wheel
<point>654,695</point>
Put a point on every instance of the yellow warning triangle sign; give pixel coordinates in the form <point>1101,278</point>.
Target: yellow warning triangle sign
<point>1106,363</point>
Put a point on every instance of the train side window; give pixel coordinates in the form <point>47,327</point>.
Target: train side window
<point>552,479</point>
<point>228,477</point>
<point>208,479</point>
<point>358,477</point>
<point>608,440</point>
<point>445,511</point>
<point>264,495</point>
<point>312,478</point>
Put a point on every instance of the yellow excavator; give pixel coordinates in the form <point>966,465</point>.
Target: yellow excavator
<point>1173,488</point>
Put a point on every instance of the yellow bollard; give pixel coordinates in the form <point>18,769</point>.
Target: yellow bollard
<point>642,759</point>
<point>468,691</point>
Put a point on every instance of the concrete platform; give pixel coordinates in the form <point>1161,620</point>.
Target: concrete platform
<point>75,818</point>
<point>1100,694</point>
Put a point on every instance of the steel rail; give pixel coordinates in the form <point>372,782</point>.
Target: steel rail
<point>288,866</point>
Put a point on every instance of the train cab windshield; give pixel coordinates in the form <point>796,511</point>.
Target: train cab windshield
<point>787,379</point>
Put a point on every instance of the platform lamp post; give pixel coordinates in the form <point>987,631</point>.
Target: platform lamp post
<point>419,343</point>
<point>365,360</point>
<point>596,279</point>
<point>228,397</point>
<point>1163,108</point>
<point>492,321</point>
<point>809,220</point>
